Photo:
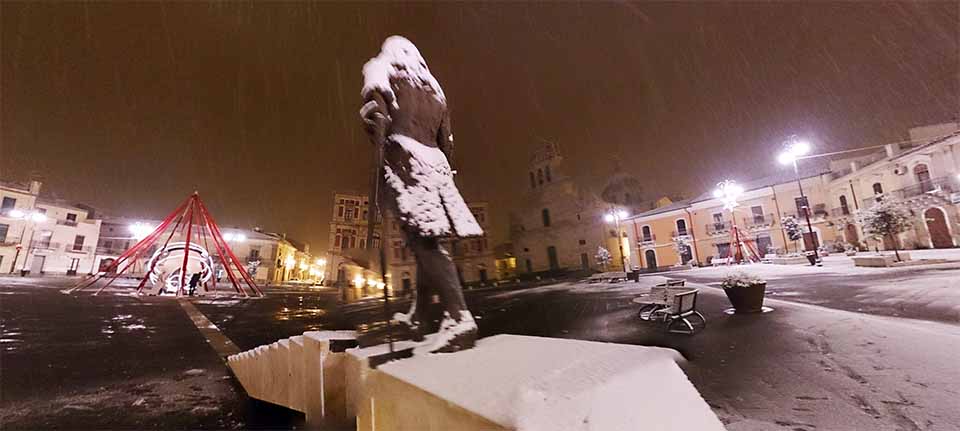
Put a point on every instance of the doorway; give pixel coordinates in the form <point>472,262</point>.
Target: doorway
<point>937,226</point>
<point>850,232</point>
<point>584,261</point>
<point>763,244</point>
<point>36,267</point>
<point>552,258</point>
<point>651,257</point>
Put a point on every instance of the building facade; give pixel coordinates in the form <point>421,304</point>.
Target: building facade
<point>270,257</point>
<point>560,225</point>
<point>925,176</point>
<point>350,262</point>
<point>44,236</point>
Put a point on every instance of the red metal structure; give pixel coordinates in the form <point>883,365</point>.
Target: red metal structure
<point>192,221</point>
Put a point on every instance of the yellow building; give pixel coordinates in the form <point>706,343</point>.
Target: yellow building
<point>704,225</point>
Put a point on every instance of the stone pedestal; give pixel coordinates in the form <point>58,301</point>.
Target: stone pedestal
<point>507,382</point>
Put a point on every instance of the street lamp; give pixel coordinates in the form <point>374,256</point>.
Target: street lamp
<point>794,149</point>
<point>614,216</point>
<point>728,192</point>
<point>30,218</point>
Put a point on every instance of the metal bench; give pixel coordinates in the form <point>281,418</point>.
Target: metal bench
<point>675,305</point>
<point>684,312</point>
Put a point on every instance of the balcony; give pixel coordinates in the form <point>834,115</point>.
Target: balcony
<point>9,242</point>
<point>111,250</point>
<point>83,249</point>
<point>942,186</point>
<point>67,222</point>
<point>682,234</point>
<point>759,221</point>
<point>718,228</point>
<point>841,212</point>
<point>647,239</point>
<point>44,245</point>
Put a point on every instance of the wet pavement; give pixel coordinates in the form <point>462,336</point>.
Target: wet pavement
<point>122,362</point>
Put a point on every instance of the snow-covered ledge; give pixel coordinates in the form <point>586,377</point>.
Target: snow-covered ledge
<point>879,260</point>
<point>513,382</point>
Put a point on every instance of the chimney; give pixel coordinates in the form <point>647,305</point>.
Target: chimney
<point>892,149</point>
<point>35,187</point>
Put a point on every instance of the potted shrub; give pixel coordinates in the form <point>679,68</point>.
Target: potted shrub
<point>745,292</point>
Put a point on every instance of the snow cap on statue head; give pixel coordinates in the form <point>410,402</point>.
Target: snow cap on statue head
<point>399,47</point>
<point>398,58</point>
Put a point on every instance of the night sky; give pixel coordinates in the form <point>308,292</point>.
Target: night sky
<point>131,106</point>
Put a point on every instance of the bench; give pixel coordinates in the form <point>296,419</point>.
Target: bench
<point>717,261</point>
<point>675,305</point>
<point>609,277</point>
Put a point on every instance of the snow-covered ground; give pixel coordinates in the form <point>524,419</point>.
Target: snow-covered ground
<point>832,265</point>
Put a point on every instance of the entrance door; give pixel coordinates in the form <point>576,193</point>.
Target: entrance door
<point>584,261</point>
<point>36,267</point>
<point>483,275</point>
<point>651,257</point>
<point>686,255</point>
<point>850,232</point>
<point>405,287</point>
<point>937,226</point>
<point>552,258</point>
<point>763,245</point>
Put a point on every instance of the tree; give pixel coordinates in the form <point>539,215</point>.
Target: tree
<point>886,219</point>
<point>793,230</point>
<point>603,257</point>
<point>252,267</point>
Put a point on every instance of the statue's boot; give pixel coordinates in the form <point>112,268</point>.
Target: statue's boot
<point>453,336</point>
<point>376,333</point>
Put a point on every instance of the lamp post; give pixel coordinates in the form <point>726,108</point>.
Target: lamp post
<point>614,216</point>
<point>30,218</point>
<point>728,192</point>
<point>795,149</point>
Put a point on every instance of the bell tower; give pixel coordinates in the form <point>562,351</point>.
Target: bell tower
<point>544,167</point>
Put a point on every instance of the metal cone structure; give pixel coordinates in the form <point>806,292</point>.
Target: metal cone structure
<point>194,225</point>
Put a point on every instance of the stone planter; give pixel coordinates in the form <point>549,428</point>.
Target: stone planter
<point>879,261</point>
<point>747,299</point>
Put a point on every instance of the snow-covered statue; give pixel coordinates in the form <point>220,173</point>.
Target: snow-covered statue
<point>405,111</point>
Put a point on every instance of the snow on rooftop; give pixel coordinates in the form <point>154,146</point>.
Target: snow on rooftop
<point>399,58</point>
<point>534,383</point>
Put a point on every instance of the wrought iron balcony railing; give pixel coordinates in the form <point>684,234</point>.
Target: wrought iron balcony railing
<point>944,186</point>
<point>718,227</point>
<point>758,220</point>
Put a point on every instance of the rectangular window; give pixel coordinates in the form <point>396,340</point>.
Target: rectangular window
<point>74,263</point>
<point>44,240</point>
<point>71,217</point>
<point>336,241</point>
<point>4,228</point>
<point>8,204</point>
<point>254,254</point>
<point>339,210</point>
<point>757,212</point>
<point>78,242</point>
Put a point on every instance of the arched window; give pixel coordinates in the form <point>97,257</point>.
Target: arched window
<point>844,209</point>
<point>545,214</point>
<point>681,227</point>
<point>877,191</point>
<point>549,177</point>
<point>533,182</point>
<point>647,235</point>
<point>540,176</point>
<point>922,174</point>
